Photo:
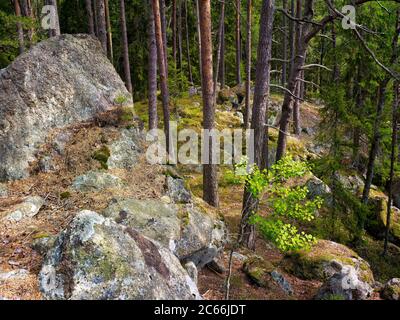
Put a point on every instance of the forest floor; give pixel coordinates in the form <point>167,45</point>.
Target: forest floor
<point>16,239</point>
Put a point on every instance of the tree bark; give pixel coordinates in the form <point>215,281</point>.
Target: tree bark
<point>20,31</point>
<point>199,38</point>
<point>180,54</point>
<point>26,10</point>
<point>218,53</point>
<point>125,47</point>
<point>296,106</point>
<point>174,40</point>
<point>222,59</point>
<point>284,45</point>
<point>101,16</point>
<point>188,44</point>
<point>238,43</point>
<point>260,110</point>
<point>89,12</point>
<point>248,66</point>
<point>109,33</point>
<point>152,75</point>
<point>96,20</point>
<point>210,178</point>
<point>162,69</point>
<point>164,32</point>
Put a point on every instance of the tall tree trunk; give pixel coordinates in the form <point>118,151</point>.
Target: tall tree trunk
<point>162,69</point>
<point>125,47</point>
<point>180,55</point>
<point>20,31</point>
<point>260,110</point>
<point>109,33</point>
<point>296,106</point>
<point>89,12</point>
<point>248,66</point>
<point>188,43</point>
<point>222,59</point>
<point>285,45</point>
<point>26,10</point>
<point>164,32</point>
<point>292,34</point>
<point>152,76</point>
<point>101,16</point>
<point>238,42</point>
<point>174,28</point>
<point>210,178</point>
<point>96,20</point>
<point>56,31</point>
<point>395,111</point>
<point>199,38</point>
<point>218,54</point>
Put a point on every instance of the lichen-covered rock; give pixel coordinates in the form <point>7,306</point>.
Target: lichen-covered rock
<point>322,260</point>
<point>391,291</point>
<point>3,190</point>
<point>60,81</point>
<point>192,235</point>
<point>98,259</point>
<point>177,191</point>
<point>28,208</point>
<point>350,181</point>
<point>124,151</point>
<point>345,284</point>
<point>95,181</point>
<point>317,188</point>
<point>258,270</point>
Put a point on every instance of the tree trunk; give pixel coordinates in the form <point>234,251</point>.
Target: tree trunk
<point>96,20</point>
<point>162,69</point>
<point>153,118</point>
<point>56,31</point>
<point>101,16</point>
<point>222,59</point>
<point>125,48</point>
<point>109,33</point>
<point>395,110</point>
<point>260,110</point>
<point>248,66</point>
<point>180,55</point>
<point>188,44</point>
<point>174,40</point>
<point>285,45</point>
<point>238,43</point>
<point>20,31</point>
<point>26,10</point>
<point>210,178</point>
<point>199,38</point>
<point>218,54</point>
<point>164,32</point>
<point>89,12</point>
<point>296,106</point>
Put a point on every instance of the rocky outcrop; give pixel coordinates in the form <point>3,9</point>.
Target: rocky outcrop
<point>60,81</point>
<point>96,181</point>
<point>391,291</point>
<point>325,259</point>
<point>190,233</point>
<point>96,258</point>
<point>176,190</point>
<point>317,188</point>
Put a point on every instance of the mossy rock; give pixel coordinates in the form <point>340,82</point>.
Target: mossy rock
<point>391,290</point>
<point>319,262</point>
<point>102,155</point>
<point>258,270</point>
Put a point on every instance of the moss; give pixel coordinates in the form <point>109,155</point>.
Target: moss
<point>65,195</point>
<point>257,269</point>
<point>184,216</point>
<point>102,156</point>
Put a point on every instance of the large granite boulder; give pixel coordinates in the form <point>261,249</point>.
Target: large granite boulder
<point>60,81</point>
<point>190,233</point>
<point>96,259</point>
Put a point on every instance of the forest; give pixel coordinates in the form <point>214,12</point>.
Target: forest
<point>200,149</point>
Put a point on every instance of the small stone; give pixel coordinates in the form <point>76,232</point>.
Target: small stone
<point>177,191</point>
<point>3,190</point>
<point>26,209</point>
<point>216,266</point>
<point>282,282</point>
<point>95,181</point>
<point>191,269</point>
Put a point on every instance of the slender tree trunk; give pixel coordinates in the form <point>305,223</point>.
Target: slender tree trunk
<point>162,69</point>
<point>153,118</point>
<point>199,38</point>
<point>238,43</point>
<point>19,28</point>
<point>210,174</point>
<point>109,33</point>
<point>125,48</point>
<point>218,54</point>
<point>96,20</point>
<point>56,31</point>
<point>285,45</point>
<point>164,32</point>
<point>395,110</point>
<point>174,40</point>
<point>89,12</point>
<point>292,34</point>
<point>260,110</point>
<point>26,10</point>
<point>188,43</point>
<point>296,106</point>
<point>248,66</point>
<point>180,55</point>
<point>222,59</point>
<point>101,15</point>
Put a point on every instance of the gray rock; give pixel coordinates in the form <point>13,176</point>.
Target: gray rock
<point>317,188</point>
<point>3,190</point>
<point>240,116</point>
<point>346,285</point>
<point>216,266</point>
<point>282,282</point>
<point>391,291</point>
<point>191,269</point>
<point>239,256</point>
<point>60,81</point>
<point>189,233</point>
<point>26,209</point>
<point>95,181</point>
<point>125,150</point>
<point>13,275</point>
<point>176,190</point>
<point>350,182</point>
<point>98,259</point>
<point>43,245</point>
